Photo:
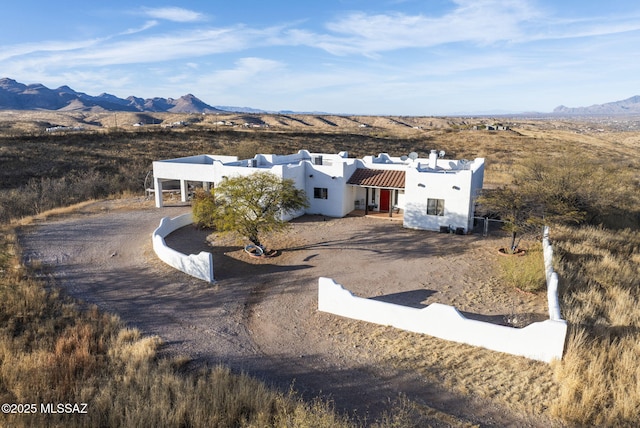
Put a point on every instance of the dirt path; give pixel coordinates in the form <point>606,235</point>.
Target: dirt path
<point>261,316</point>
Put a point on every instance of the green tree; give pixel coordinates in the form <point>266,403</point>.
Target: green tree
<point>249,205</point>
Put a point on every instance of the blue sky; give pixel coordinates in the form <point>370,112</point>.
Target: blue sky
<point>397,57</point>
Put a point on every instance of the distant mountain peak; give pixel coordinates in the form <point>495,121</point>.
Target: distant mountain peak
<point>66,89</point>
<point>624,107</point>
<point>7,81</point>
<point>17,96</point>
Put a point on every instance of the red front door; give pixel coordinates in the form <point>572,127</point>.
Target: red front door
<point>385,199</point>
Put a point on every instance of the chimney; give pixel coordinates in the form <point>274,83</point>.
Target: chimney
<point>433,157</point>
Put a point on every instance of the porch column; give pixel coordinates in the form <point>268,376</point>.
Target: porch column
<point>183,190</point>
<point>157,185</point>
<point>392,194</point>
<point>366,201</point>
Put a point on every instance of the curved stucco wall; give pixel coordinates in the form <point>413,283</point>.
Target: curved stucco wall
<point>197,265</point>
<point>543,341</point>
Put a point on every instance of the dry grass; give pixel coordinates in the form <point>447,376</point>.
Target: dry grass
<point>524,385</point>
<point>51,351</point>
<point>600,290</point>
<point>524,272</point>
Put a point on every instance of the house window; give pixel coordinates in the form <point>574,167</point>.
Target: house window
<point>320,193</point>
<point>435,206</point>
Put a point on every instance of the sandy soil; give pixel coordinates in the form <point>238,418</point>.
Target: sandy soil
<point>261,316</point>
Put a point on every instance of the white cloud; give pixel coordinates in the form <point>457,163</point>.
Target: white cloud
<point>479,22</point>
<point>245,69</point>
<point>581,28</point>
<point>146,26</point>
<point>92,82</point>
<point>176,14</point>
<point>134,50</point>
<point>25,49</point>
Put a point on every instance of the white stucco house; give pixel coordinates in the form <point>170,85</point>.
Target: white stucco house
<point>431,193</point>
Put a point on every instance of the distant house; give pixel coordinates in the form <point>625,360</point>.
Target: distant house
<point>64,128</point>
<point>431,193</point>
<point>497,127</point>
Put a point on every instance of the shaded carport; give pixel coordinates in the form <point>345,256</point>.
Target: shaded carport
<point>192,168</point>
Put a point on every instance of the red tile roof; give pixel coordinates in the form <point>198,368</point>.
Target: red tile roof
<point>384,178</point>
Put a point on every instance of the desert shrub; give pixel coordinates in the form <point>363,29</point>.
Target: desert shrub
<point>43,194</point>
<point>204,208</point>
<point>577,190</point>
<point>247,149</point>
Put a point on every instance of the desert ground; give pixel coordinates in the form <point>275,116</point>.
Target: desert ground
<point>261,317</point>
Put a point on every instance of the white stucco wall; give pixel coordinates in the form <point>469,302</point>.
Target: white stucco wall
<point>192,168</point>
<point>457,184</point>
<point>477,181</point>
<point>542,341</point>
<point>199,266</point>
<point>453,187</point>
<point>221,170</point>
<point>295,172</point>
<point>333,176</point>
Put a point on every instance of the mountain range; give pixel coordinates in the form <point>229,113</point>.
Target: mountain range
<point>630,106</point>
<point>18,96</point>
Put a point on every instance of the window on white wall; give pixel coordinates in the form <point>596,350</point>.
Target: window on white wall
<point>320,193</point>
<point>435,206</point>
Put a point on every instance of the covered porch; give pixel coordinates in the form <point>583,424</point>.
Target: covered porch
<point>379,192</point>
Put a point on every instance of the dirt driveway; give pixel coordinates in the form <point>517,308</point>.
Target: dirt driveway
<point>261,316</point>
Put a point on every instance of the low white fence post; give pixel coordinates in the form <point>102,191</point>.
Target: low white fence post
<point>551,276</point>
<point>552,297</point>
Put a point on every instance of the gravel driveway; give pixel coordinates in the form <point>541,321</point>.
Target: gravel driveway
<point>261,315</point>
